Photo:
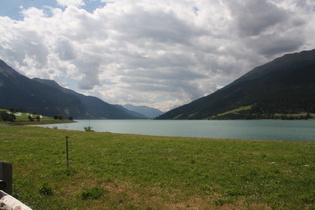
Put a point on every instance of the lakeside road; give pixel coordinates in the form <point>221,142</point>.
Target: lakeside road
<point>124,171</point>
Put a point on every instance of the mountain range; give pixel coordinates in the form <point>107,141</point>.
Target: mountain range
<point>284,86</point>
<point>144,110</point>
<point>48,98</point>
<point>281,87</point>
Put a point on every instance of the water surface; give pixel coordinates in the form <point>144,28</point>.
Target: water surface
<point>300,130</point>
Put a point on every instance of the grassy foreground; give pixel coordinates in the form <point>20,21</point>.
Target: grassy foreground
<point>118,171</point>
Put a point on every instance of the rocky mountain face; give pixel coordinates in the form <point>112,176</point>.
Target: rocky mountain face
<point>285,85</point>
<point>48,98</point>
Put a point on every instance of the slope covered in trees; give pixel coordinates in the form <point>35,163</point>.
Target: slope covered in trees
<point>283,88</point>
<point>48,98</point>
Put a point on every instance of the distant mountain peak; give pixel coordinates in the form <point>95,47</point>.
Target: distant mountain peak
<point>144,110</point>
<point>7,71</point>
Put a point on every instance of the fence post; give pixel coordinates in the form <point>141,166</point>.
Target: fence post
<point>6,177</point>
<point>67,151</point>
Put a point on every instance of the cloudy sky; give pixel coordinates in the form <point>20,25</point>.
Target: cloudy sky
<point>156,53</point>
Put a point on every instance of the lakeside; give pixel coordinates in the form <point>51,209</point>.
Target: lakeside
<point>125,171</point>
<point>231,129</point>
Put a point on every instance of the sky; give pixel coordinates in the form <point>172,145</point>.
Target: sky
<point>160,54</point>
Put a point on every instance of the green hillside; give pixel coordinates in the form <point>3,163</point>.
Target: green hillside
<point>46,97</point>
<point>281,89</point>
<point>21,117</point>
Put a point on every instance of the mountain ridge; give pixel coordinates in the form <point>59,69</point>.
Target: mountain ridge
<point>48,98</point>
<point>284,85</point>
<point>145,110</point>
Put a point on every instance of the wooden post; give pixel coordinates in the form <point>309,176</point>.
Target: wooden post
<point>6,177</point>
<point>67,151</point>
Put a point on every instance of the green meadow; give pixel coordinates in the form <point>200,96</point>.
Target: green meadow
<point>120,171</point>
<point>23,118</point>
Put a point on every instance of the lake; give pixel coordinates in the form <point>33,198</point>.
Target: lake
<point>300,130</point>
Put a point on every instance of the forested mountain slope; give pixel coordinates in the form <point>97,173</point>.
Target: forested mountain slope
<point>48,98</point>
<point>283,86</point>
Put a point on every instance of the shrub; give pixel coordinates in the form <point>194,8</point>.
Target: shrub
<point>88,129</point>
<point>45,189</point>
<point>92,193</point>
<point>30,118</point>
<point>5,116</point>
<point>58,117</point>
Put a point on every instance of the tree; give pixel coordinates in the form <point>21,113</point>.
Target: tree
<point>58,117</point>
<point>38,118</point>
<point>30,118</point>
<point>88,129</point>
<point>5,116</point>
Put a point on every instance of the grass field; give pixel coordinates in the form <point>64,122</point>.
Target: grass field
<point>119,171</point>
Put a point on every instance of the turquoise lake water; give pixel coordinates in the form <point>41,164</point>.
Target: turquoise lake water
<point>301,130</point>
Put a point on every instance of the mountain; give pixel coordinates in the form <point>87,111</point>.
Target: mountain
<point>148,112</point>
<point>48,98</point>
<point>283,86</point>
<point>139,115</point>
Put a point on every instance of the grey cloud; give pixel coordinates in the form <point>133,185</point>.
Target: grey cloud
<point>25,51</point>
<point>168,60</point>
<point>65,50</point>
<point>161,76</point>
<point>274,45</point>
<point>182,83</point>
<point>252,17</point>
<point>88,82</point>
<point>89,67</point>
<point>28,44</point>
<point>158,26</point>
<point>307,5</point>
<point>266,28</point>
<point>35,45</point>
<point>136,51</point>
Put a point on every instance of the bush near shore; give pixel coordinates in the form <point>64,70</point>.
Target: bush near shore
<point>120,171</point>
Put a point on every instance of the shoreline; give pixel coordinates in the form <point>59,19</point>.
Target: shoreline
<point>249,130</point>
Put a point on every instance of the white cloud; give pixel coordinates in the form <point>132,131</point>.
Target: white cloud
<point>160,54</point>
<point>66,3</point>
